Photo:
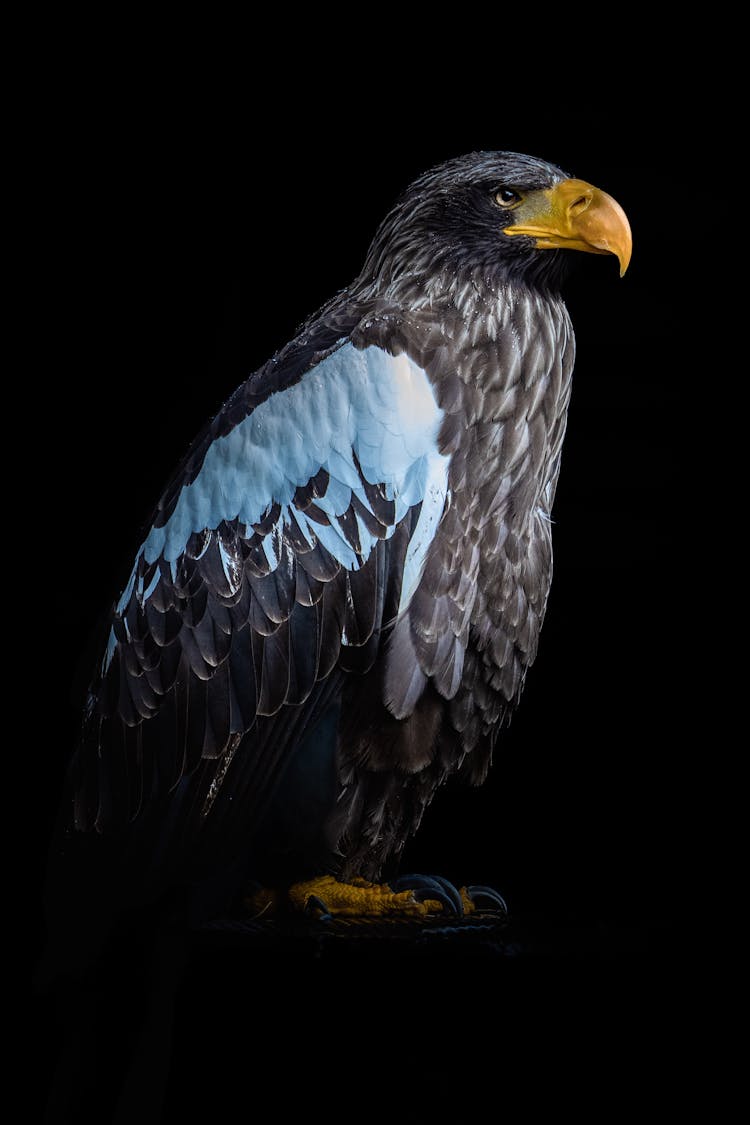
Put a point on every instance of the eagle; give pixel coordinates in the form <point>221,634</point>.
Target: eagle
<point>335,605</point>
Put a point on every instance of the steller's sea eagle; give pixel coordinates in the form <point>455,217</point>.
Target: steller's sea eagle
<point>340,592</point>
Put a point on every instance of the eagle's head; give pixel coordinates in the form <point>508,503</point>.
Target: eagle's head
<point>499,215</point>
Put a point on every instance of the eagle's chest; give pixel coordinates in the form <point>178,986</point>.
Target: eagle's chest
<point>505,421</point>
<point>506,407</point>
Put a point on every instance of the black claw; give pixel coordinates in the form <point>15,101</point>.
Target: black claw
<point>314,903</point>
<point>431,886</point>
<point>487,895</point>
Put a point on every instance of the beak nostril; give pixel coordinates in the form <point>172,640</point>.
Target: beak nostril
<point>581,203</point>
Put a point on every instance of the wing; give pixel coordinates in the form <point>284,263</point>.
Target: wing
<point>268,567</point>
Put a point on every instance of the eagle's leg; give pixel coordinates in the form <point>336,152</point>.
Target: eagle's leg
<point>326,815</point>
<point>412,896</point>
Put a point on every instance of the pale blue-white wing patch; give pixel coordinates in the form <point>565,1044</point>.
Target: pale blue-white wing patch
<point>366,404</point>
<point>255,569</point>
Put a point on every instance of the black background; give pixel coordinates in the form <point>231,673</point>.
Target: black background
<point>189,235</point>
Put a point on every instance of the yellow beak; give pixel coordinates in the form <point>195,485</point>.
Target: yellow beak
<point>574,215</point>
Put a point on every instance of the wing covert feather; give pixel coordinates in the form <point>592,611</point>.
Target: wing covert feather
<point>268,564</point>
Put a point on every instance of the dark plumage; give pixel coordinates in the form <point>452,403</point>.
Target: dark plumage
<point>343,586</point>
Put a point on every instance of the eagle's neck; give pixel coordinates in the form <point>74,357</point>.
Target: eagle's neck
<point>515,350</point>
<point>499,356</point>
<point>506,333</point>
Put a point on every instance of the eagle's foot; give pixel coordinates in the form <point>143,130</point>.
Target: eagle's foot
<point>410,896</point>
<point>327,897</point>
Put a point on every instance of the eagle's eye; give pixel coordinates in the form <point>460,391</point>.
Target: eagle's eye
<point>506,197</point>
